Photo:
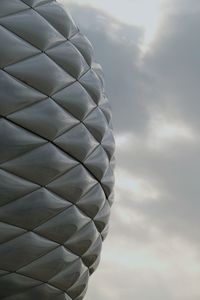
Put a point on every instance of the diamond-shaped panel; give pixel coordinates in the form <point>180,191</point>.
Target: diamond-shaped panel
<point>92,84</point>
<point>63,226</point>
<point>81,241</point>
<point>78,142</point>
<point>79,289</point>
<point>27,248</point>
<point>68,56</point>
<point>76,100</point>
<point>38,119</point>
<point>13,284</point>
<point>16,141</point>
<point>13,187</point>
<point>42,35</point>
<point>39,292</point>
<point>8,232</point>
<point>84,46</point>
<point>10,7</point>
<point>41,73</point>
<point>97,162</point>
<point>70,276</point>
<point>35,3</point>
<point>107,145</point>
<point>41,165</point>
<point>13,48</point>
<point>99,129</point>
<point>74,184</point>
<point>33,209</point>
<point>15,94</point>
<point>92,201</point>
<point>56,154</point>
<point>92,256</point>
<point>55,15</point>
<point>49,265</point>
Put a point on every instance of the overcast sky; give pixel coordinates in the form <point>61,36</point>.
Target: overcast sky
<point>150,53</point>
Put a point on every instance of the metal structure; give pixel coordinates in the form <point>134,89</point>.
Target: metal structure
<point>56,154</point>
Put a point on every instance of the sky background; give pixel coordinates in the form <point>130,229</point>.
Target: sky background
<point>150,53</point>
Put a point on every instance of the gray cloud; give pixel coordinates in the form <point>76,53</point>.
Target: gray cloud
<point>176,176</point>
<point>174,63</point>
<point>162,82</point>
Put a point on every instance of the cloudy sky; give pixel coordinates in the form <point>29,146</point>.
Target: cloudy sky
<point>150,53</point>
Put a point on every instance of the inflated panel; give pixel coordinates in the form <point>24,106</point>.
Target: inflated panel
<point>56,154</point>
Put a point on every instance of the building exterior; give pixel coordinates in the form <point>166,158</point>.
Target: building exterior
<point>56,154</point>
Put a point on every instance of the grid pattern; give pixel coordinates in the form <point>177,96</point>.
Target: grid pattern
<point>56,154</point>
